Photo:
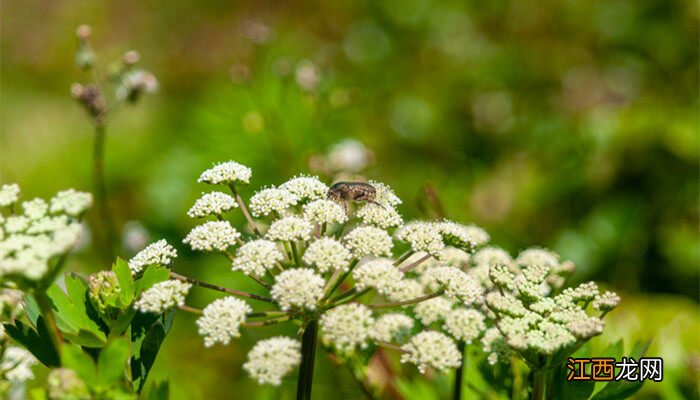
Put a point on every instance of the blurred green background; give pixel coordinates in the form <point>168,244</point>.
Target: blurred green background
<point>571,124</point>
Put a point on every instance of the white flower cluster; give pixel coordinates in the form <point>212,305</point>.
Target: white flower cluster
<point>226,173</point>
<point>157,253</point>
<point>347,327</point>
<point>307,188</point>
<point>431,349</point>
<point>214,203</point>
<point>466,237</point>
<point>271,359</point>
<point>300,287</point>
<point>327,254</point>
<point>212,235</point>
<point>429,311</point>
<point>290,229</point>
<point>531,321</point>
<point>385,195</point>
<point>422,236</point>
<point>456,283</point>
<point>16,364</point>
<point>379,274</point>
<point>30,241</point>
<point>221,320</point>
<point>256,257</point>
<point>9,194</point>
<point>324,211</point>
<point>71,202</point>
<point>391,326</point>
<point>465,325</point>
<point>163,296</point>
<point>368,241</point>
<point>271,201</point>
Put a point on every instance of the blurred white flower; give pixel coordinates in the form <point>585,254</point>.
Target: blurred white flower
<point>431,310</point>
<point>16,364</point>
<point>391,326</point>
<point>71,202</point>
<point>9,194</point>
<point>271,359</point>
<point>465,325</point>
<point>306,188</point>
<point>466,237</point>
<point>290,229</point>
<point>606,301</point>
<point>431,349</point>
<point>35,209</point>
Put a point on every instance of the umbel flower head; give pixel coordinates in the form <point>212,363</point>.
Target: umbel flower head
<point>315,260</point>
<point>30,242</point>
<point>157,253</point>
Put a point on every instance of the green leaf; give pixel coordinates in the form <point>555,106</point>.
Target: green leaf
<point>126,283</point>
<point>149,350</point>
<point>159,391</point>
<point>86,338</point>
<point>153,274</point>
<point>75,358</point>
<point>36,342</point>
<point>623,389</point>
<point>561,389</point>
<point>111,363</point>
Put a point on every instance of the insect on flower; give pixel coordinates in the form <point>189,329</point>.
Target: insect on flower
<point>356,192</point>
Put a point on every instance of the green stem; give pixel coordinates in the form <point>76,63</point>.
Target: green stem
<point>340,280</point>
<point>416,263</point>
<point>44,304</point>
<point>243,208</point>
<point>403,258</point>
<point>407,302</point>
<point>297,261</point>
<point>538,385</point>
<point>241,293</point>
<point>308,355</point>
<point>98,161</point>
<point>459,373</point>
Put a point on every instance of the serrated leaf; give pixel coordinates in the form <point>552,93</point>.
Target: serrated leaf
<point>86,338</point>
<point>623,389</point>
<point>31,309</point>
<point>75,358</point>
<point>126,283</point>
<point>75,316</point>
<point>112,361</point>
<point>36,342</point>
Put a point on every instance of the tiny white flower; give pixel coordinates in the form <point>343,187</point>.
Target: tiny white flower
<point>271,359</point>
<point>465,325</point>
<point>347,327</point>
<point>379,274</point>
<point>71,202</point>
<point>290,229</point>
<point>301,288</point>
<point>380,216</point>
<point>537,256</point>
<point>35,209</point>
<point>221,320</point>
<point>9,194</point>
<point>466,237</point>
<point>213,235</point>
<point>271,200</point>
<point>368,240</point>
<point>586,328</point>
<point>431,310</point>
<point>327,254</point>
<point>229,172</point>
<point>163,296</point>
<point>257,257</point>
<point>16,364</point>
<point>158,253</point>
<point>16,223</point>
<point>489,256</point>
<point>454,257</point>
<point>422,236</point>
<point>430,349</point>
<point>391,326</point>
<point>214,203</point>
<point>306,187</point>
<point>404,290</point>
<point>385,195</point>
<point>324,211</point>
<point>606,301</point>
<point>456,283</point>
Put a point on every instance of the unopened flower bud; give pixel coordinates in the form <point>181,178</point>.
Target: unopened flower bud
<point>104,293</point>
